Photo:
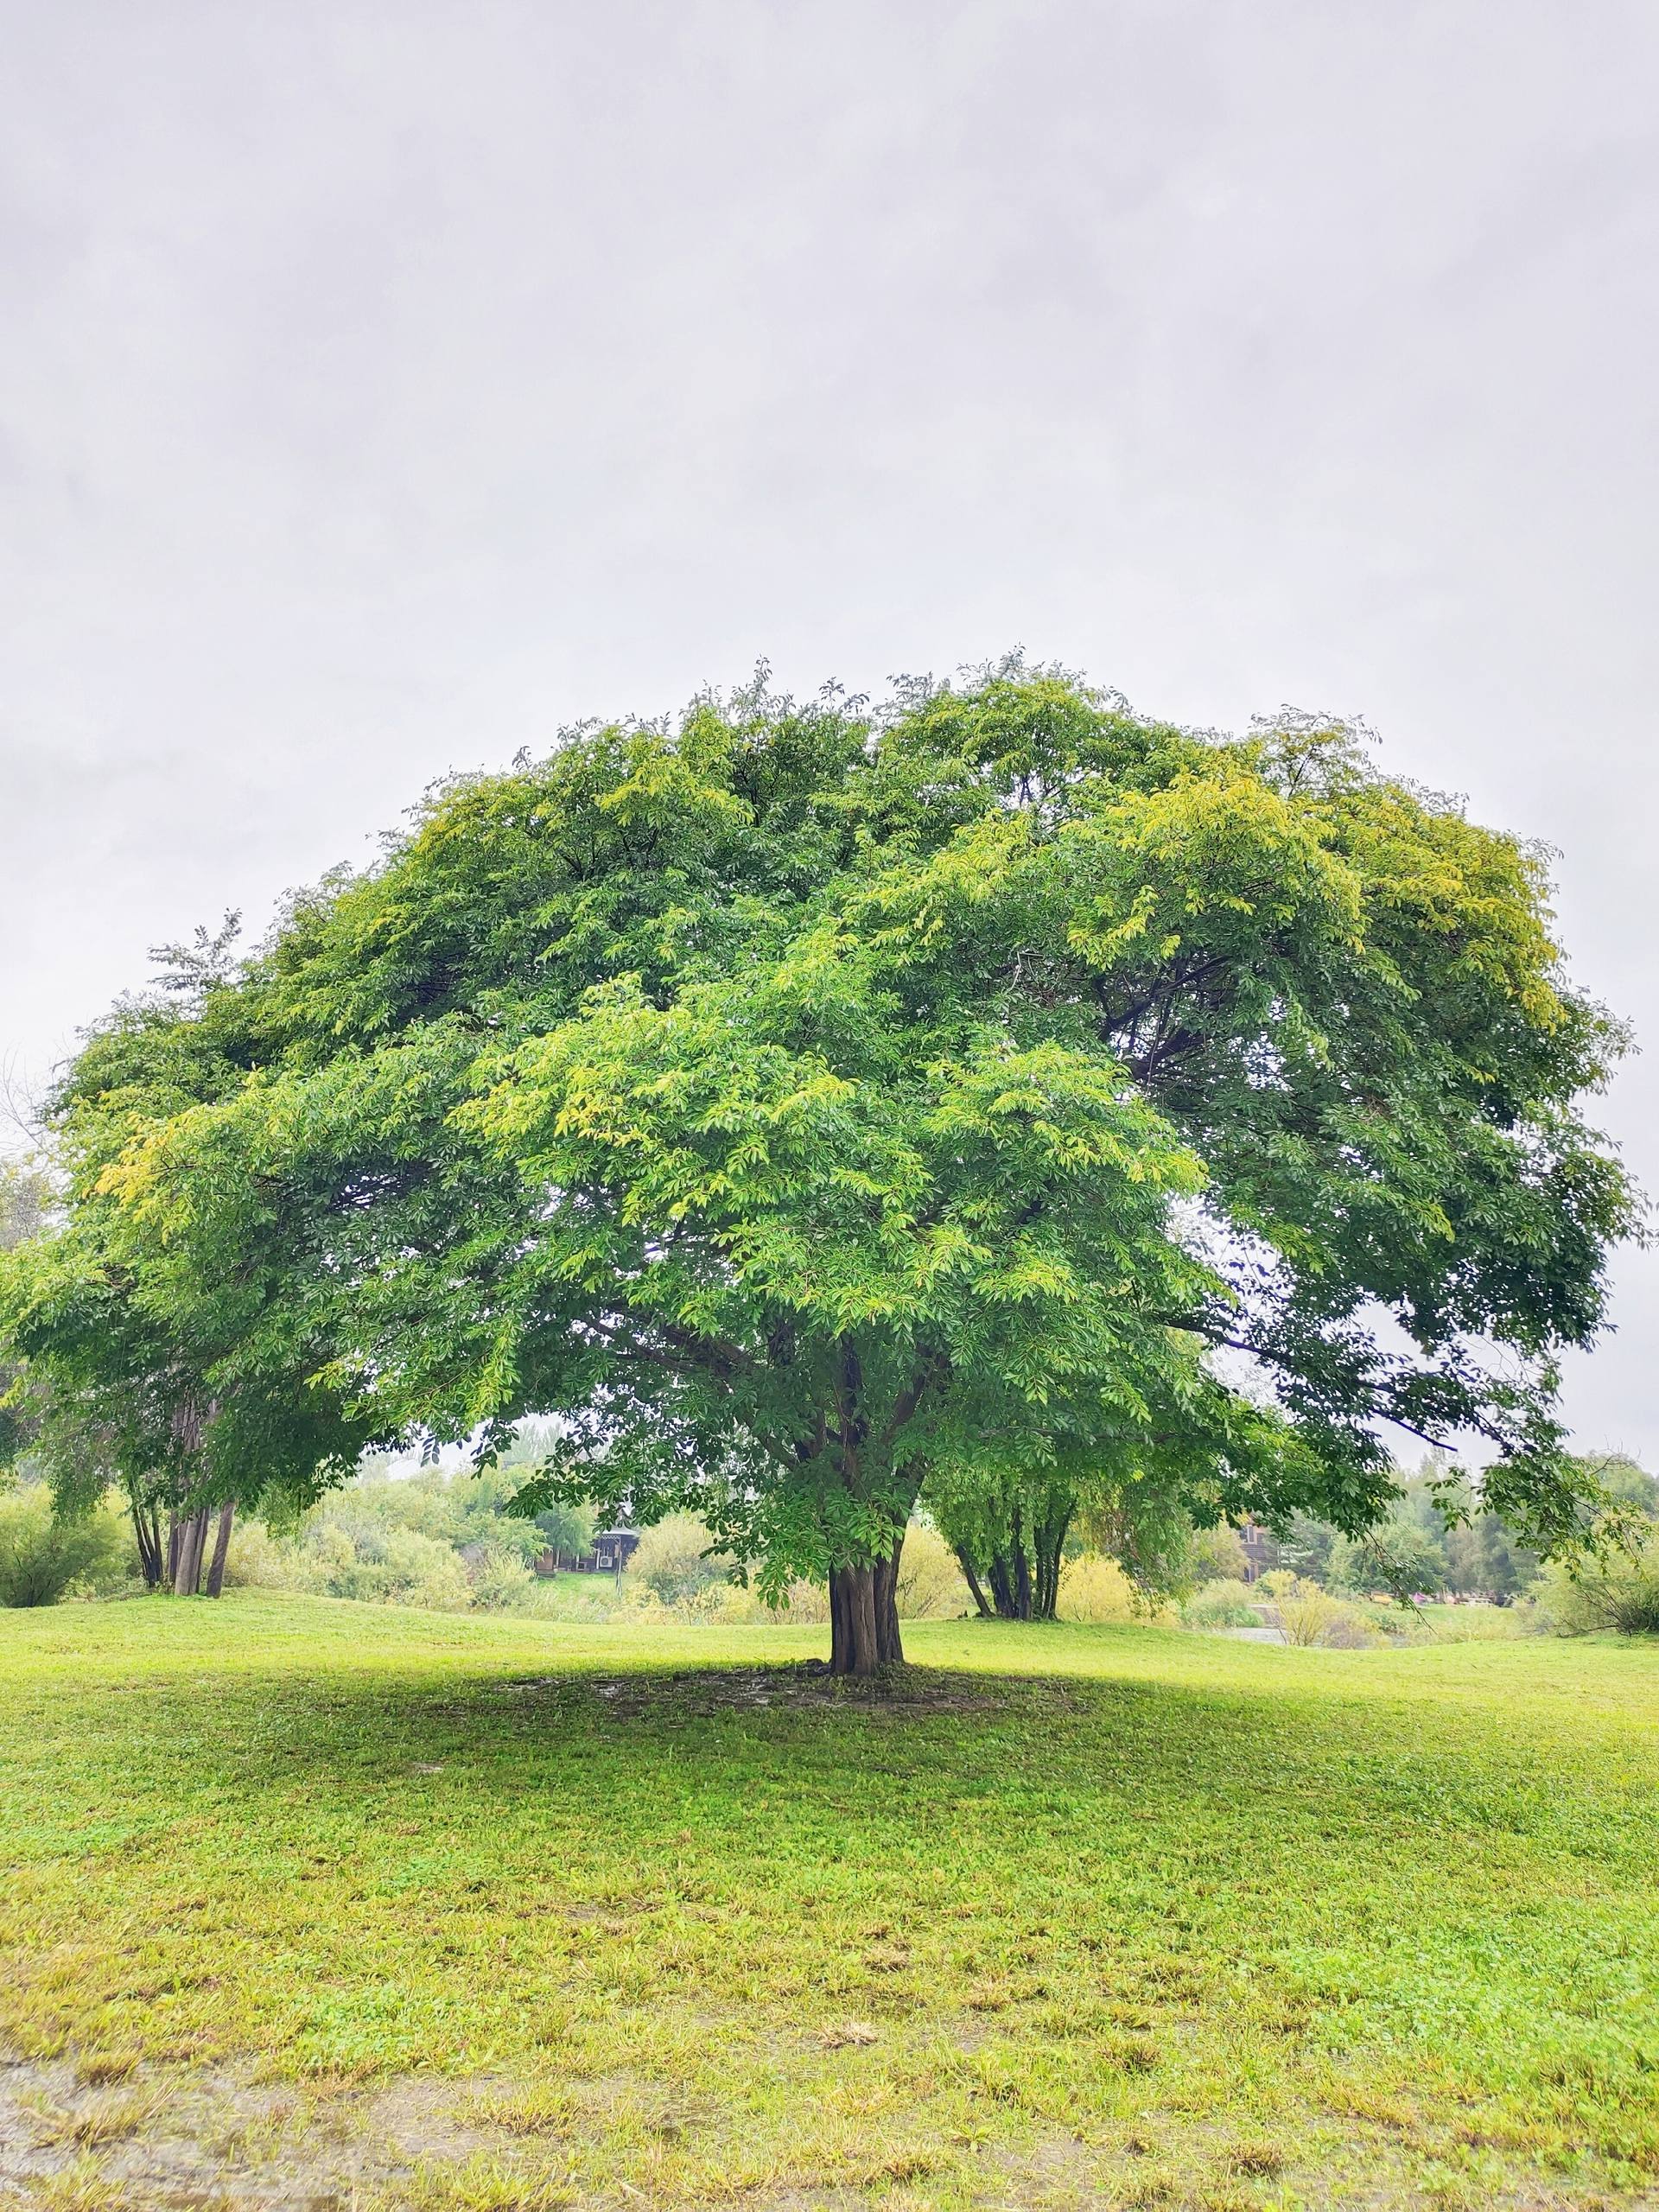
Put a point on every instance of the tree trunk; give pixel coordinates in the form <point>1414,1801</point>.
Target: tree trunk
<point>221,1547</point>
<point>864,1617</point>
<point>964,1560</point>
<point>1009,1575</point>
<point>147,1528</point>
<point>889,1646</point>
<point>1000,1574</point>
<point>1021,1572</point>
<point>1050,1541</point>
<point>193,1537</point>
<point>1025,1576</point>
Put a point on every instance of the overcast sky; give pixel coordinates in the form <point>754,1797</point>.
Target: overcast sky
<point>382,386</point>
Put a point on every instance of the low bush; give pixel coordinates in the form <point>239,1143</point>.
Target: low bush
<point>1226,1602</point>
<point>43,1558</point>
<point>1618,1590</point>
<point>338,1557</point>
<point>931,1586</point>
<point>1354,1627</point>
<point>807,1605</point>
<point>258,1560</point>
<point>674,1562</point>
<point>1299,1609</point>
<point>501,1583</point>
<point>1097,1590</point>
<point>1305,1614</point>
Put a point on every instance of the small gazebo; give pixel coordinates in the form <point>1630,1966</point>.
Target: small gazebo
<point>613,1549</point>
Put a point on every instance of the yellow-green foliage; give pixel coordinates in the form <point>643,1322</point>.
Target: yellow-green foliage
<point>257,1560</point>
<point>43,1558</point>
<point>1299,1609</point>
<point>1619,1590</point>
<point>674,1562</point>
<point>848,1078</point>
<point>649,1916</point>
<point>1216,1554</point>
<point>1097,1590</point>
<point>380,1564</point>
<point>930,1585</point>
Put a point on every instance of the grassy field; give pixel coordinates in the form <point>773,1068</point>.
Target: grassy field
<point>305,1902</point>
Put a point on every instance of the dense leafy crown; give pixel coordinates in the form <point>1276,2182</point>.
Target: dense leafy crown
<point>808,1103</point>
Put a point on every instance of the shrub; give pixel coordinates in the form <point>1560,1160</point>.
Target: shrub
<point>559,1601</point>
<point>1299,1609</point>
<point>930,1583</point>
<point>807,1605</point>
<point>1618,1590</point>
<point>501,1581</point>
<point>403,1568</point>
<point>43,1558</point>
<point>258,1560</point>
<point>1225,1603</point>
<point>672,1562</point>
<point>1472,1624</point>
<point>930,1587</point>
<point>1097,1590</point>
<point>1634,1609</point>
<point>362,1559</point>
<point>1353,1628</point>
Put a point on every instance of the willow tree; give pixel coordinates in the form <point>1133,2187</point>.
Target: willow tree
<point>806,1105</point>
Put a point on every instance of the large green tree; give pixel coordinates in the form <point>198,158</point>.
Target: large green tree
<point>806,1104</point>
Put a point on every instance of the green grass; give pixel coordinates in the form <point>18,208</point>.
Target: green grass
<point>569,1583</point>
<point>1135,1917</point>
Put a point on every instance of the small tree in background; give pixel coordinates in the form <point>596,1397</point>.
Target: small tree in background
<point>1397,1559</point>
<point>25,1210</point>
<point>137,1369</point>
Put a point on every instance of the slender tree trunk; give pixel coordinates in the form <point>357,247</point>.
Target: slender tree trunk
<point>999,1573</point>
<point>173,1536</point>
<point>221,1547</point>
<point>1009,1575</point>
<point>147,1528</point>
<point>193,1537</point>
<point>1050,1542</point>
<point>1024,1573</point>
<point>1021,1572</point>
<point>964,1560</point>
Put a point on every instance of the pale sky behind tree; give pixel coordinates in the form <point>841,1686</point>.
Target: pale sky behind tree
<point>383,387</point>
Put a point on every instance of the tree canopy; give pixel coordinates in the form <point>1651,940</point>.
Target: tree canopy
<point>810,1106</point>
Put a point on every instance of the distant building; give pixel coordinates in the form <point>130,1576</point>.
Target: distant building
<point>610,1552</point>
<point>1259,1551</point>
<point>613,1549</point>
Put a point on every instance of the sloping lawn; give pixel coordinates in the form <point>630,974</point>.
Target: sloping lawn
<point>304,1900</point>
